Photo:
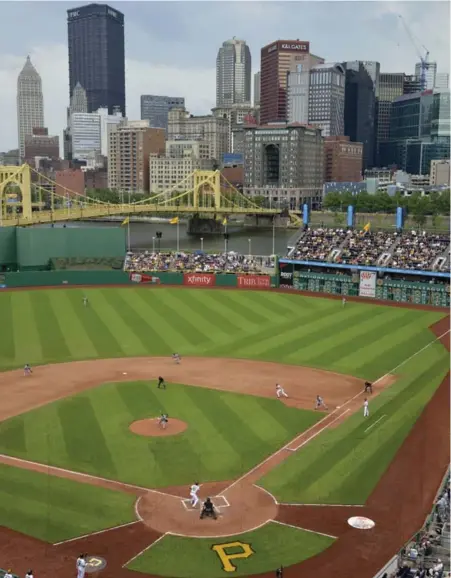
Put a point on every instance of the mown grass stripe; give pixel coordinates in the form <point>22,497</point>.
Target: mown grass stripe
<point>247,314</point>
<point>280,346</point>
<point>214,310</point>
<point>77,339</point>
<point>300,323</point>
<point>116,319</point>
<point>276,303</point>
<point>252,302</point>
<point>162,327</point>
<point>141,322</point>
<point>165,304</point>
<point>54,346</point>
<point>27,340</point>
<point>7,347</point>
<point>361,335</point>
<point>106,344</point>
<point>96,455</point>
<point>197,317</point>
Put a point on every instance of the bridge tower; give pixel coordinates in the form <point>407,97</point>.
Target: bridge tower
<point>21,178</point>
<point>212,179</point>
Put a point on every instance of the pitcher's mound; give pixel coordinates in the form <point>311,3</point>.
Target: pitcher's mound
<point>150,427</point>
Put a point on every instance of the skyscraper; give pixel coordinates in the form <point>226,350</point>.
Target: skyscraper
<point>155,108</point>
<point>233,73</point>
<point>30,104</point>
<point>360,106</point>
<point>326,98</point>
<point>79,100</point>
<point>96,55</point>
<point>277,60</point>
<point>257,76</point>
<point>391,86</point>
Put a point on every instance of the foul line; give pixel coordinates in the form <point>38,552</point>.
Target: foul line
<point>96,533</point>
<point>241,478</point>
<point>325,505</point>
<point>82,475</point>
<point>145,549</point>
<point>304,529</point>
<point>376,422</point>
<point>318,432</point>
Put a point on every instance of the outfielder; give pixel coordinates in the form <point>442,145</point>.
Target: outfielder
<point>343,301</point>
<point>81,566</point>
<point>320,402</point>
<point>280,392</point>
<point>193,494</point>
<point>366,409</point>
<point>85,301</point>
<point>27,369</point>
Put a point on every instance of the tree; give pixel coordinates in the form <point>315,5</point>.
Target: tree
<point>332,201</point>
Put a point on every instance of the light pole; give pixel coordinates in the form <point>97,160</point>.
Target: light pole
<point>250,250</point>
<point>153,244</point>
<point>273,236</point>
<point>201,243</point>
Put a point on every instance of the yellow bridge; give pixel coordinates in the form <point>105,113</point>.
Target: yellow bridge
<point>29,198</point>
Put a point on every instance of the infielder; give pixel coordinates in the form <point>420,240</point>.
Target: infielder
<point>27,369</point>
<point>320,402</point>
<point>81,566</point>
<point>176,357</point>
<point>193,494</point>
<point>368,387</point>
<point>163,420</point>
<point>366,409</point>
<point>280,392</point>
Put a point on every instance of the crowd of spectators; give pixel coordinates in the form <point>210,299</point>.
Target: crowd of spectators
<point>199,262</point>
<point>317,244</point>
<point>410,250</point>
<point>422,557</point>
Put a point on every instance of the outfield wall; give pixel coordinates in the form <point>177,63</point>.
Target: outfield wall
<point>392,291</point>
<point>33,248</point>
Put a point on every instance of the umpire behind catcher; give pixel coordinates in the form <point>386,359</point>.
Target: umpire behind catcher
<point>208,510</point>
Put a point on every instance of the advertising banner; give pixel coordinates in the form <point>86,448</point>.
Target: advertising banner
<point>367,286</point>
<point>199,279</point>
<point>140,278</point>
<point>254,281</point>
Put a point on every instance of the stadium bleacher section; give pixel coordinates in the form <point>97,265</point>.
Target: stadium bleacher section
<point>409,250</point>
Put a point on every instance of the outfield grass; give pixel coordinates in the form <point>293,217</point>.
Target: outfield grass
<point>55,509</point>
<point>343,465</point>
<point>273,545</point>
<point>228,433</point>
<point>364,340</point>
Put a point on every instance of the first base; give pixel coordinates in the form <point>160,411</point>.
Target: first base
<point>125,373</point>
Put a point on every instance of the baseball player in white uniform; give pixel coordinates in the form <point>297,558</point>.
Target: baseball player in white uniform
<point>343,301</point>
<point>366,409</point>
<point>81,566</point>
<point>176,357</point>
<point>320,403</point>
<point>193,494</point>
<point>280,392</point>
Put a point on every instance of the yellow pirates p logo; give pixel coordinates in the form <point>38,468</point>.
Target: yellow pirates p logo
<point>221,551</point>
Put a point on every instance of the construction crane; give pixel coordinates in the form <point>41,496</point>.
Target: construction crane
<point>424,60</point>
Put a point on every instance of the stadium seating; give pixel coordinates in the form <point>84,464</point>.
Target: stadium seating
<point>410,250</point>
<point>196,262</point>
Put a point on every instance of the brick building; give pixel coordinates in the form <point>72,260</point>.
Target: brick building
<point>342,160</point>
<point>40,144</point>
<point>70,181</point>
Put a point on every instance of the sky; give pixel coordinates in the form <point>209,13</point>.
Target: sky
<point>171,47</point>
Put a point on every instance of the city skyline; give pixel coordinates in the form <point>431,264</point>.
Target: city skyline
<point>373,32</point>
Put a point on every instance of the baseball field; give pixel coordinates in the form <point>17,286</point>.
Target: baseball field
<point>85,467</point>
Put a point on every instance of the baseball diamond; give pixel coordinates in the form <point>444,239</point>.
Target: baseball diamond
<point>96,458</point>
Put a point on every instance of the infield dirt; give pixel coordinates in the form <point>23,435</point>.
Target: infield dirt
<point>399,503</point>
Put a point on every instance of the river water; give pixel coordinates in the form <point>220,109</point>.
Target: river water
<point>253,241</point>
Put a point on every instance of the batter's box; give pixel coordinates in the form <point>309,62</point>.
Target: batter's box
<point>218,501</point>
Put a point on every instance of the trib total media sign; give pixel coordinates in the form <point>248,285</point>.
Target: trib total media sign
<point>289,46</point>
